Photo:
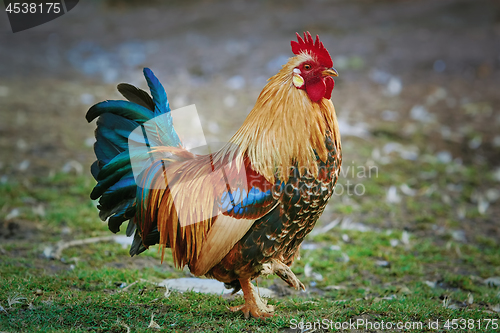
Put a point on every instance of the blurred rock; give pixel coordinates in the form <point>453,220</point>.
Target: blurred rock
<point>237,47</point>
<point>404,290</point>
<point>461,212</point>
<point>4,91</point>
<point>405,238</point>
<point>21,144</point>
<point>72,165</point>
<point>310,246</point>
<point>482,205</point>
<point>496,141</point>
<point>439,66</point>
<point>324,229</point>
<point>341,62</point>
<point>407,152</point>
<point>389,115</point>
<point>492,194</point>
<point>179,101</point>
<point>308,270</point>
<point>444,157</point>
<point>123,240</point>
<point>475,142</point>
<point>446,132</point>
<point>317,276</point>
<point>348,224</point>
<point>358,129</point>
<point>21,118</point>
<point>407,190</point>
<point>385,298</point>
<point>334,287</point>
<point>438,94</point>
<point>493,281</point>
<point>431,284</point>
<point>206,286</point>
<point>24,165</point>
<point>476,109</point>
<point>89,142</point>
<point>236,82</point>
<point>496,174</point>
<point>394,87</point>
<point>133,53</point>
<point>379,76</point>
<point>259,81</point>
<point>420,113</point>
<point>213,127</point>
<point>392,196</point>
<point>445,198</point>
<point>91,59</point>
<point>383,263</point>
<point>459,235</point>
<point>87,99</point>
<point>377,156</point>
<point>65,230</point>
<point>39,210</point>
<point>13,214</point>
<point>230,101</point>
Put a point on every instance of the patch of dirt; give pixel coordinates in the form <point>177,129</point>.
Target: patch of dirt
<point>15,230</point>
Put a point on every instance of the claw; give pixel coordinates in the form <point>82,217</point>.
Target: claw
<point>254,306</point>
<point>284,272</point>
<point>254,311</point>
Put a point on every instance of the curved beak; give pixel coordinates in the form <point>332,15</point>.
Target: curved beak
<point>330,72</point>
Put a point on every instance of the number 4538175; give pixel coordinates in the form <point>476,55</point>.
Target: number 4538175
<point>471,324</point>
<point>31,7</point>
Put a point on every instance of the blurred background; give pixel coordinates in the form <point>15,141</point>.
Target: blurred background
<point>417,99</point>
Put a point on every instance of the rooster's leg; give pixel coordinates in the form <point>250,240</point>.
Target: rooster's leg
<point>254,306</point>
<point>284,272</point>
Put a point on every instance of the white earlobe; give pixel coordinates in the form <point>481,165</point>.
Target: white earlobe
<point>297,80</point>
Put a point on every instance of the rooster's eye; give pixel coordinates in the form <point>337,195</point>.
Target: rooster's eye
<point>307,66</point>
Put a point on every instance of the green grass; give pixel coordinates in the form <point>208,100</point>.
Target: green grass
<point>83,291</point>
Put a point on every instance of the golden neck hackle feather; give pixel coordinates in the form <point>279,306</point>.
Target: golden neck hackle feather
<point>284,128</point>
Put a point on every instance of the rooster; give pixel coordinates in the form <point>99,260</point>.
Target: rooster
<point>242,211</point>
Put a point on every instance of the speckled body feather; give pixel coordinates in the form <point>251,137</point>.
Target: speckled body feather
<point>279,233</point>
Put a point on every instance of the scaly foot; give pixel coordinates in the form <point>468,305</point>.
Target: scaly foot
<point>254,306</point>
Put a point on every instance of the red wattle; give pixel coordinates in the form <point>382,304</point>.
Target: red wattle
<point>329,87</point>
<point>315,88</point>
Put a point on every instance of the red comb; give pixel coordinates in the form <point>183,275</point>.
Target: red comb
<point>315,48</point>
